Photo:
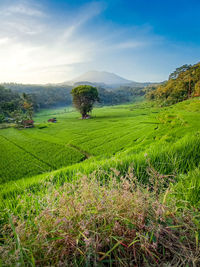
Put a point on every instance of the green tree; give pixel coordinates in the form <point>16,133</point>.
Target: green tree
<point>197,89</point>
<point>27,106</point>
<point>84,97</point>
<point>179,70</point>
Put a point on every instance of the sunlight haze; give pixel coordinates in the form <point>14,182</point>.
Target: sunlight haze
<point>55,41</point>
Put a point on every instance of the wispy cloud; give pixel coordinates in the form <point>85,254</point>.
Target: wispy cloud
<point>23,8</point>
<point>28,43</point>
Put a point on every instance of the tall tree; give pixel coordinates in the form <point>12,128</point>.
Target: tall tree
<point>84,97</point>
<point>179,70</point>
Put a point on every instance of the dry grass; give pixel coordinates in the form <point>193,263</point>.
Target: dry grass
<point>115,223</point>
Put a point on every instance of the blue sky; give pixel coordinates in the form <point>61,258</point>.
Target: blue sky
<point>51,41</point>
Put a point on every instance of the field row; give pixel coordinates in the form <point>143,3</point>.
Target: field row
<point>22,156</point>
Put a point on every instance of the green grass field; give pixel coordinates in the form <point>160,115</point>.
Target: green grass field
<point>138,140</point>
<point>112,130</point>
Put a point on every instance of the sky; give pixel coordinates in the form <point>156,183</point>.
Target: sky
<point>52,41</point>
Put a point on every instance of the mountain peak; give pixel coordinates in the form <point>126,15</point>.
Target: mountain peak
<point>102,77</point>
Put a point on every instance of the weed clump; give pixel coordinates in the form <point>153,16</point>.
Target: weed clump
<point>118,222</point>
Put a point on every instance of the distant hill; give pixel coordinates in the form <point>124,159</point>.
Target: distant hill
<point>101,77</point>
<point>104,79</point>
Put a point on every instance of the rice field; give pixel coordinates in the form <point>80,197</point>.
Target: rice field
<point>116,137</point>
<point>112,130</point>
<point>22,156</point>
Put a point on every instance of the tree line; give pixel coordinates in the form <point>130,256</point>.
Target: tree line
<point>12,98</point>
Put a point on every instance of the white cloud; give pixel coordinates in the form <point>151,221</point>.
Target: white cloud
<point>36,47</point>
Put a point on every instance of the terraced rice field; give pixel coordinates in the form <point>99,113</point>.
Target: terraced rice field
<point>111,131</point>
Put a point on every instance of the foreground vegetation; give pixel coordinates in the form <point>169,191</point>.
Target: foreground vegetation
<point>134,200</point>
<point>90,222</point>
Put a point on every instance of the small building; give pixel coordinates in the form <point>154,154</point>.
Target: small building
<point>52,120</point>
<point>28,123</point>
<point>86,117</point>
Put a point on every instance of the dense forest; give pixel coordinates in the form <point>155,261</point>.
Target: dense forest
<point>182,84</point>
<point>9,102</point>
<point>43,96</point>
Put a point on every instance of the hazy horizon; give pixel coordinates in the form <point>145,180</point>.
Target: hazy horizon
<point>47,41</point>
